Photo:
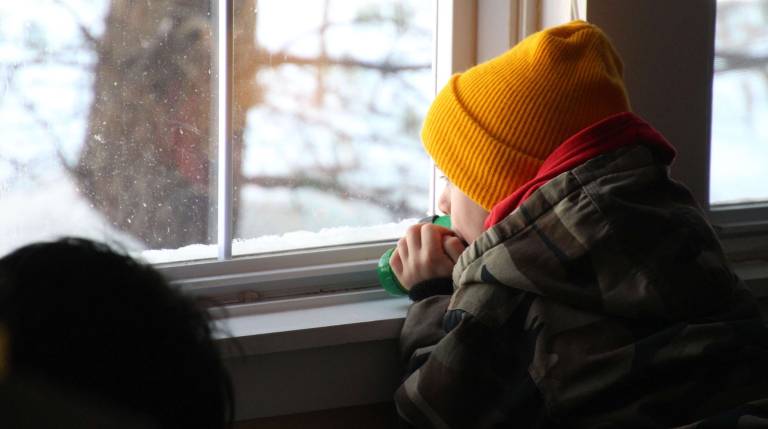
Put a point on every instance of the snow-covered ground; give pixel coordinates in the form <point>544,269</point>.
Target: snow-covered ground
<point>52,210</point>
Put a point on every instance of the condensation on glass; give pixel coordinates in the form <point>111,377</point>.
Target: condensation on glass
<point>328,103</point>
<point>106,118</point>
<point>739,167</point>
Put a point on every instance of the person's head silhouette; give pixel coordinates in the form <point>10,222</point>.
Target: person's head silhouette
<point>83,316</point>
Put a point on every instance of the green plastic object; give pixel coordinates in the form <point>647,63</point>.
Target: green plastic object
<point>387,277</point>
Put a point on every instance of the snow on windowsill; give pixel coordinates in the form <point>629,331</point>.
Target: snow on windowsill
<point>284,242</point>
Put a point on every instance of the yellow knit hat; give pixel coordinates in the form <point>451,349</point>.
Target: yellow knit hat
<point>491,127</point>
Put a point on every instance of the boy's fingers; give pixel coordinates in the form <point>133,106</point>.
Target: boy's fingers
<point>413,237</point>
<point>441,229</point>
<point>421,254</point>
<point>453,247</point>
<point>431,240</point>
<point>402,248</point>
<point>395,262</point>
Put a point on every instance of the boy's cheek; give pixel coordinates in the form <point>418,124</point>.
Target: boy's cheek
<point>462,230</point>
<point>460,233</point>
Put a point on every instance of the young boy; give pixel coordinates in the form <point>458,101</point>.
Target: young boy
<point>593,292</point>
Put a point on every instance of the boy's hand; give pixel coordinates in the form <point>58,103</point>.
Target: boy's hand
<point>426,252</point>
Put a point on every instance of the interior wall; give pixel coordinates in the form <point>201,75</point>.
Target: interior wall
<point>323,378</point>
<point>375,416</point>
<point>668,52</point>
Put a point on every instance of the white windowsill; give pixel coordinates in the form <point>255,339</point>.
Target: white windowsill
<point>311,322</point>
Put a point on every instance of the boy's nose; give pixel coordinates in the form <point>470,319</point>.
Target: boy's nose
<point>444,202</point>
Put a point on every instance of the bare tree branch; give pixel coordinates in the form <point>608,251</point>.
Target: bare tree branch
<point>48,128</point>
<point>92,40</point>
<point>61,59</point>
<point>375,196</point>
<point>275,59</point>
<point>731,61</point>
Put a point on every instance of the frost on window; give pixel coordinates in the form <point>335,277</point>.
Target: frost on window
<point>107,117</point>
<point>739,167</point>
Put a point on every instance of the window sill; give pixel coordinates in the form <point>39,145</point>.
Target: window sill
<point>310,322</point>
<point>348,317</point>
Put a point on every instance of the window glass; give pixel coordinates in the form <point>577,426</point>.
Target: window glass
<point>739,167</point>
<point>105,112</point>
<point>329,99</point>
<point>108,123</point>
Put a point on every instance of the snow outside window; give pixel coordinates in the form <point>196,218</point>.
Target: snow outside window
<point>739,164</point>
<point>108,119</point>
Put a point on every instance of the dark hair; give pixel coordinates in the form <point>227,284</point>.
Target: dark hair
<point>82,315</point>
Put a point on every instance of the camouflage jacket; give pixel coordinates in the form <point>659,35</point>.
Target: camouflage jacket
<point>603,301</point>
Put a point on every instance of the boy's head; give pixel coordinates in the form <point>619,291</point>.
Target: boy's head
<point>80,316</point>
<point>491,127</point>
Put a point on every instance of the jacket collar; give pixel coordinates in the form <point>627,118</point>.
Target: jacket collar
<point>609,134</point>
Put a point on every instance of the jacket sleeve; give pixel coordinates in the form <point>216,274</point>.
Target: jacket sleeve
<point>464,374</point>
<point>432,287</point>
<point>422,330</point>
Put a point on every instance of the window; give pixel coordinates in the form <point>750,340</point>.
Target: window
<point>739,149</point>
<point>110,122</point>
<point>106,122</point>
<point>739,145</point>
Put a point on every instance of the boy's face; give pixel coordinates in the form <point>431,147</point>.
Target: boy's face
<point>467,217</point>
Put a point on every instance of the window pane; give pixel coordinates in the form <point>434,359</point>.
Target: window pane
<point>739,167</point>
<point>106,121</point>
<point>330,96</point>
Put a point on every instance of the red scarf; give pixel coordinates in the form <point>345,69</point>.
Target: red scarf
<point>609,134</point>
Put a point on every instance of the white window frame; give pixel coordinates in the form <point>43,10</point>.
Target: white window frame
<point>302,272</point>
<point>224,136</point>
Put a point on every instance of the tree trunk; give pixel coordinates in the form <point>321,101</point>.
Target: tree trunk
<point>148,158</point>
